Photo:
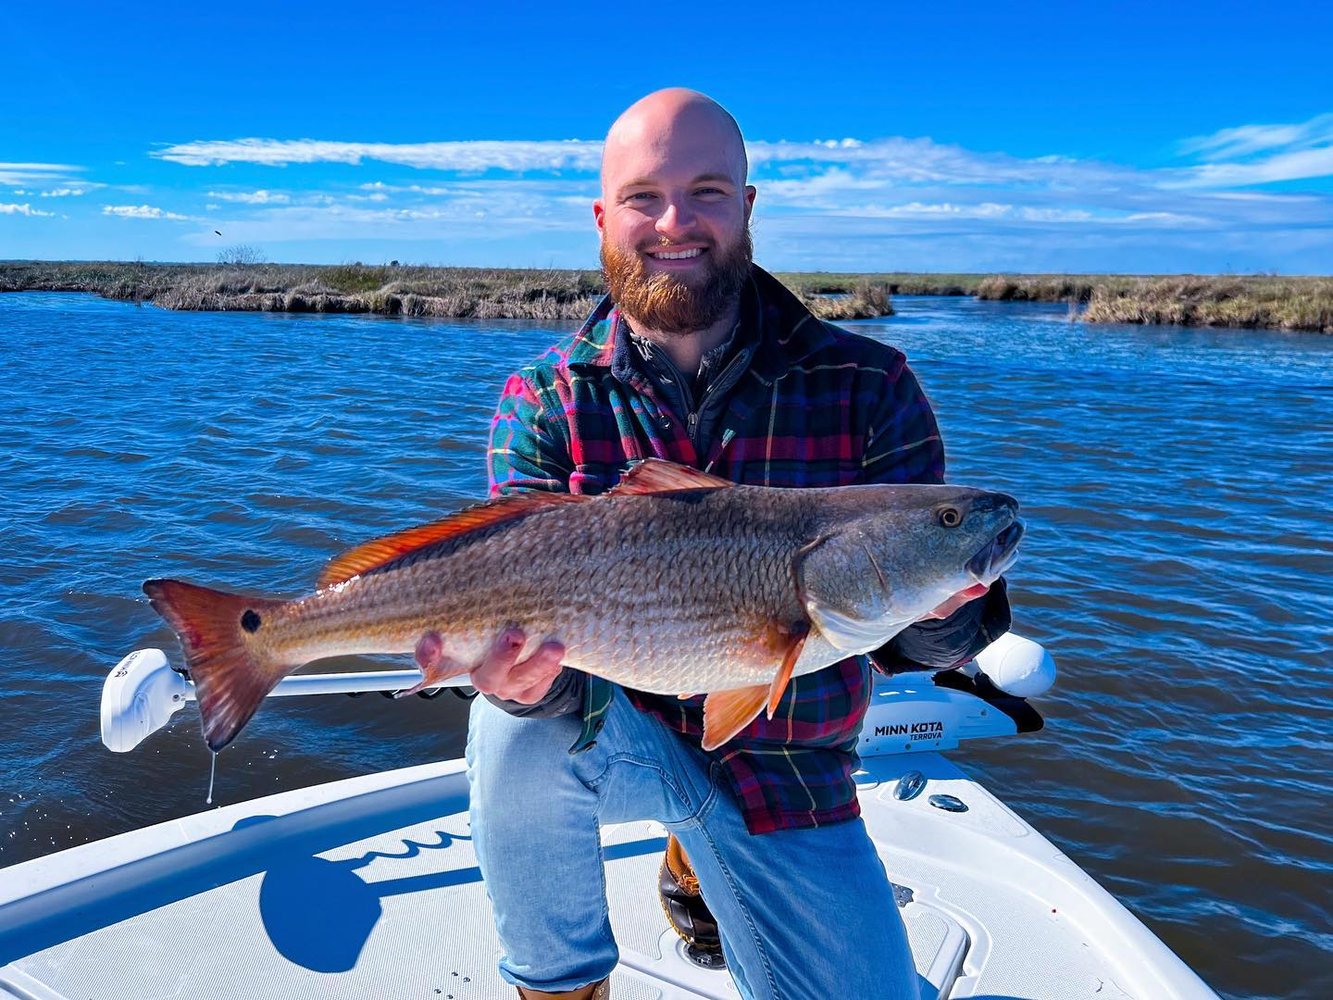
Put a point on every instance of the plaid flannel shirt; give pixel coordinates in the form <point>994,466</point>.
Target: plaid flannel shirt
<point>817,407</point>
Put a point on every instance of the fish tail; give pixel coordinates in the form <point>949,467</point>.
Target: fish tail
<point>218,631</point>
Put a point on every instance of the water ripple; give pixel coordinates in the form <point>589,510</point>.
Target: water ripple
<point>1175,485</point>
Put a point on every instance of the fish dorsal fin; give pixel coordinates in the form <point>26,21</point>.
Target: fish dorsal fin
<point>382,551</point>
<point>657,475</point>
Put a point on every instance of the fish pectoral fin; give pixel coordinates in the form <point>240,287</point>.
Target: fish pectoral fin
<point>788,664</point>
<point>726,713</point>
<point>850,634</point>
<point>851,619</point>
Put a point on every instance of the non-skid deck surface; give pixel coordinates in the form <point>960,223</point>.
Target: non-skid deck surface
<point>398,915</point>
<point>244,905</point>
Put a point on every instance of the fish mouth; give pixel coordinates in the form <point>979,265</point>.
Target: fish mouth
<point>997,555</point>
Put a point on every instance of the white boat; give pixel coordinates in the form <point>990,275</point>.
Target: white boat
<point>368,887</point>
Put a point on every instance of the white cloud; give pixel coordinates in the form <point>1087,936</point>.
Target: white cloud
<point>23,209</point>
<point>143,212</point>
<point>23,174</point>
<point>1300,165</point>
<point>65,192</point>
<point>260,197</point>
<point>828,200</point>
<point>468,157</point>
<point>1261,154</point>
<point>1245,140</point>
<point>379,187</point>
<point>497,209</point>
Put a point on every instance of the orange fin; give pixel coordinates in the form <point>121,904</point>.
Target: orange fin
<point>789,658</point>
<point>657,475</point>
<point>726,713</point>
<point>435,665</point>
<point>382,551</point>
<point>230,681</point>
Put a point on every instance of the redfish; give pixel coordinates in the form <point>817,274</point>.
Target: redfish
<point>673,582</point>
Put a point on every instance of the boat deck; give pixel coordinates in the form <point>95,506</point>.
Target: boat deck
<point>369,887</point>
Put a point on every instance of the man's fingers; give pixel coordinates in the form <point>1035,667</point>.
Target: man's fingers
<point>501,673</point>
<point>530,679</point>
<point>543,664</point>
<point>491,673</point>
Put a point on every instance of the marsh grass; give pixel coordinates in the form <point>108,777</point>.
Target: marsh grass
<point>346,288</point>
<point>454,292</point>
<point>495,293</point>
<point>864,300</point>
<point>1250,301</point>
<point>1269,302</point>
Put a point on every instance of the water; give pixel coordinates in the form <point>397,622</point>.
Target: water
<point>1179,563</point>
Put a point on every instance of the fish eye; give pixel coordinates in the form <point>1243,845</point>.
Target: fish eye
<point>950,517</point>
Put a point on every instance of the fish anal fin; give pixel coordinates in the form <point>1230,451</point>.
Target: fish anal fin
<point>435,664</point>
<point>657,475</point>
<point>382,551</point>
<point>795,641</point>
<point>726,713</point>
<point>231,679</point>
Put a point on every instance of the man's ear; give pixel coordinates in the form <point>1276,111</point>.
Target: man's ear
<point>599,214</point>
<point>750,192</point>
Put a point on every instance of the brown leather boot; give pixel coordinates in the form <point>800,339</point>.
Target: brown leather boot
<point>685,909</point>
<point>593,991</point>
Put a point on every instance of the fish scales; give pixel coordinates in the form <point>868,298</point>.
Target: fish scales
<point>646,597</point>
<point>675,582</point>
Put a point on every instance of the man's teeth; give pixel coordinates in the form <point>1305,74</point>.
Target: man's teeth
<point>680,255</point>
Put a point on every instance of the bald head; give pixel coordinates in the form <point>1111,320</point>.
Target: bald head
<point>674,219</point>
<point>673,124</point>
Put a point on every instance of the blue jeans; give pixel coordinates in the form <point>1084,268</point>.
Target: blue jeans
<point>802,913</point>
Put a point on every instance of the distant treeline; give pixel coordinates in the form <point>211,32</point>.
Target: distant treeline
<point>1223,300</point>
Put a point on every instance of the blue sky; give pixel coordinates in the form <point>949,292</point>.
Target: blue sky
<point>1134,137</point>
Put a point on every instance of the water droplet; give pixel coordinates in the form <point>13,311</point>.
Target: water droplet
<point>212,773</point>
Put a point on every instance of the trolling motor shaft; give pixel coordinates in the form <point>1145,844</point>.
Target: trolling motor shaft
<point>143,692</point>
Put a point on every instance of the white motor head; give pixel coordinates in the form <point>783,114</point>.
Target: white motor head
<point>1017,666</point>
<point>139,697</point>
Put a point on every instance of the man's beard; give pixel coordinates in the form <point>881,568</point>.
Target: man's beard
<point>672,303</point>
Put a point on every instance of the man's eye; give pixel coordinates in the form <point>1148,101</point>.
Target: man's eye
<point>641,196</point>
<point>709,191</point>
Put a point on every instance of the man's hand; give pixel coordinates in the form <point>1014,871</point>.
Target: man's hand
<point>502,674</point>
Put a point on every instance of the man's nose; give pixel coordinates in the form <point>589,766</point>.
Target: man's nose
<point>675,220</point>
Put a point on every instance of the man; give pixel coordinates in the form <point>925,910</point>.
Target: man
<point>700,357</point>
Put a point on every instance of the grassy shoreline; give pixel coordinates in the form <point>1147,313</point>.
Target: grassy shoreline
<point>446,292</point>
<point>1302,303</point>
<point>1247,302</point>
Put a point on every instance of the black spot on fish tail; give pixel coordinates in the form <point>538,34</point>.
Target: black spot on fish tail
<point>250,621</point>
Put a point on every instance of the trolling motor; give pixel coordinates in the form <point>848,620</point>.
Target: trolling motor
<point>143,692</point>
<point>936,710</point>
<point>911,711</point>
